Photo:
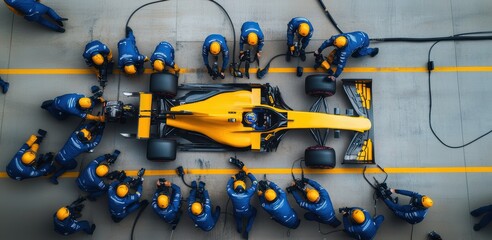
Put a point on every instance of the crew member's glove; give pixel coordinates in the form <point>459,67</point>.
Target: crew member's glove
<point>32,139</point>
<point>42,133</point>
<point>91,117</point>
<point>176,68</point>
<point>209,69</point>
<point>241,56</point>
<point>300,184</point>
<point>258,54</point>
<point>344,210</point>
<point>292,49</point>
<point>238,163</point>
<point>240,175</point>
<point>318,59</point>
<point>167,183</point>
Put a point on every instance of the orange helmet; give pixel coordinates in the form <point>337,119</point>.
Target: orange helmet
<point>98,59</point>
<point>252,39</point>
<point>215,48</point>
<point>340,41</point>
<point>312,195</point>
<point>196,208</point>
<point>270,195</point>
<point>303,29</point>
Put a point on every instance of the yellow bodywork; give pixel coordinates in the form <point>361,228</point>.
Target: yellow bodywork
<point>220,118</point>
<point>144,116</point>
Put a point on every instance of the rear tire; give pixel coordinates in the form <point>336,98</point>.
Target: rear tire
<point>320,157</point>
<point>320,85</point>
<point>161,150</point>
<point>164,84</point>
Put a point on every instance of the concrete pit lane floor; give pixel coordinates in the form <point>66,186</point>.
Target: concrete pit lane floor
<point>41,64</point>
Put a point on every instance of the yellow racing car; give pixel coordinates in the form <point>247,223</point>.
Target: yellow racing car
<point>242,117</point>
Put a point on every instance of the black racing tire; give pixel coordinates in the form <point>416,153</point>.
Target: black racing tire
<point>161,150</point>
<point>164,84</point>
<point>320,85</point>
<point>320,157</point>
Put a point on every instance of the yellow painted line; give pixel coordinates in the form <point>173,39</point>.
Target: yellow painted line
<point>74,71</point>
<point>287,171</point>
<point>47,71</point>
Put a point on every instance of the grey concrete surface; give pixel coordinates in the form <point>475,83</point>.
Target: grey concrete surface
<point>402,136</point>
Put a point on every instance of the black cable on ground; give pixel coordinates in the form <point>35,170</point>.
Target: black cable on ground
<point>136,219</point>
<point>433,39</point>
<point>327,13</point>
<point>233,32</point>
<point>225,217</point>
<point>411,233</point>
<point>430,67</point>
<point>136,10</point>
<point>292,168</point>
<point>375,204</point>
<point>185,183</point>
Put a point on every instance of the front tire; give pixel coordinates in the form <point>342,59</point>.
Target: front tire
<point>161,150</point>
<point>320,85</point>
<point>164,84</point>
<point>320,157</point>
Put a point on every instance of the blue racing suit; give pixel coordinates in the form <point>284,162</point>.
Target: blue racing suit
<point>74,147</point>
<point>19,171</point>
<point>279,209</point>
<point>122,207</point>
<point>357,46</point>
<point>164,52</point>
<point>34,11</point>
<point>486,219</point>
<point>321,211</point>
<point>71,225</point>
<point>223,48</point>
<point>292,27</point>
<point>251,27</point>
<point>365,231</point>
<point>4,85</point>
<point>89,182</point>
<point>171,213</point>
<point>96,47</point>
<point>241,203</point>
<point>129,54</point>
<point>65,105</point>
<point>206,220</point>
<point>412,213</point>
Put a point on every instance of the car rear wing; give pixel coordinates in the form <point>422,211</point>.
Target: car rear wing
<point>361,147</point>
